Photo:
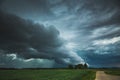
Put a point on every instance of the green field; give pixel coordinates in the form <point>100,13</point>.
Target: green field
<point>53,74</point>
<point>113,72</point>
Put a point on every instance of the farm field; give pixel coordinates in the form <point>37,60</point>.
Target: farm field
<point>52,74</point>
<point>113,72</point>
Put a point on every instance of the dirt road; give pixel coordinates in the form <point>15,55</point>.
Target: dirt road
<point>100,75</point>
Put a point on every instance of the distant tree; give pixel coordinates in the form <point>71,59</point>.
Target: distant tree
<point>79,66</point>
<point>70,66</point>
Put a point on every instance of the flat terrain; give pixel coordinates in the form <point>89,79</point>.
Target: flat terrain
<point>113,72</point>
<point>55,74</point>
<point>100,75</point>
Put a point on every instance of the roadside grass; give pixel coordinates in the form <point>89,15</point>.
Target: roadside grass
<point>55,74</point>
<point>113,72</point>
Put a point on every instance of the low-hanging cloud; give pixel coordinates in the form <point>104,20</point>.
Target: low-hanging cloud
<point>12,61</point>
<point>31,40</point>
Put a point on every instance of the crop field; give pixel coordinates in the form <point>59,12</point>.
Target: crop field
<point>113,72</point>
<point>52,74</point>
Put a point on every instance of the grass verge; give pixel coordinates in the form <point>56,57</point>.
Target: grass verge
<point>59,74</point>
<point>113,72</point>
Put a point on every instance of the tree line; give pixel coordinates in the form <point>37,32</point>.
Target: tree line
<point>78,66</point>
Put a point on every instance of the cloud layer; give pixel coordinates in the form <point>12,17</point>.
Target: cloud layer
<point>61,30</point>
<point>31,40</point>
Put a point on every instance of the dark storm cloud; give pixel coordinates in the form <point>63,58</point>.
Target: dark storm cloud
<point>19,33</point>
<point>32,40</point>
<point>31,9</point>
<point>101,60</point>
<point>80,23</point>
<point>103,13</point>
<point>1,1</point>
<point>102,55</point>
<point>105,24</point>
<point>105,19</point>
<point>12,61</point>
<point>101,4</point>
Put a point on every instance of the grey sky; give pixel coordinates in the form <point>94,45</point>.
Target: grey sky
<point>63,31</point>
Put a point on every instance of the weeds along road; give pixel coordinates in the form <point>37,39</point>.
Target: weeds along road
<point>100,75</point>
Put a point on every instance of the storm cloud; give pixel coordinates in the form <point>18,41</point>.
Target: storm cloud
<point>32,40</point>
<point>61,31</point>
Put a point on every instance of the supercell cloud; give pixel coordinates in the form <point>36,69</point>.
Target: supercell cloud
<point>54,33</point>
<point>27,40</point>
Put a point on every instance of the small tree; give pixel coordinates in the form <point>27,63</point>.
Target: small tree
<point>79,66</point>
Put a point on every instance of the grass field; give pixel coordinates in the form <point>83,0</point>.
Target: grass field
<point>113,72</point>
<point>47,74</point>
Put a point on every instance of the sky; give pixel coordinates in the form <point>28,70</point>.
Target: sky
<point>56,33</point>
